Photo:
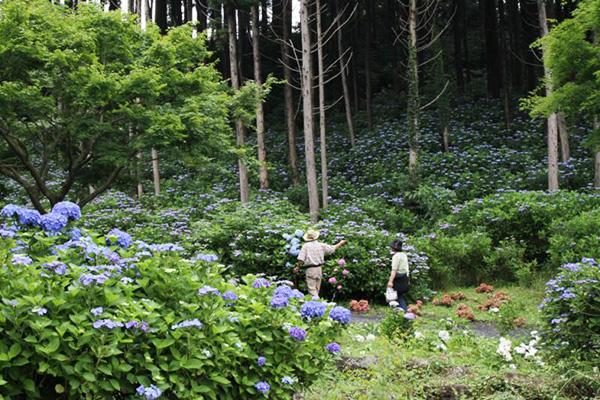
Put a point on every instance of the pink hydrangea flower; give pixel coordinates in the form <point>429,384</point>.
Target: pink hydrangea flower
<point>332,280</point>
<point>341,261</point>
<point>339,287</point>
<point>345,272</point>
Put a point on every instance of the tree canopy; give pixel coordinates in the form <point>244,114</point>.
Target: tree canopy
<point>82,91</point>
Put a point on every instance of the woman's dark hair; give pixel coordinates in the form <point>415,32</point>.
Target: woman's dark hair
<point>396,244</point>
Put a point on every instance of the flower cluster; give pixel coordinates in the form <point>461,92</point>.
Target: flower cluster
<point>116,236</point>
<point>262,387</point>
<point>260,282</point>
<point>187,323</point>
<point>208,290</point>
<point>333,347</point>
<point>150,393</point>
<point>230,296</point>
<point>53,222</point>
<point>340,314</point>
<point>504,349</point>
<point>68,210</point>
<point>313,309</point>
<point>297,333</point>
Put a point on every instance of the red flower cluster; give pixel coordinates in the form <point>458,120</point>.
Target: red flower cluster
<point>448,299</point>
<point>463,311</point>
<point>484,288</point>
<point>496,301</point>
<point>416,308</point>
<point>360,306</point>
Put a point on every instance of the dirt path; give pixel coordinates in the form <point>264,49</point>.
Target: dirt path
<point>479,328</point>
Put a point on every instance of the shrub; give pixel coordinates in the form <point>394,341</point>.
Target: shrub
<point>575,238</point>
<point>398,325</point>
<point>457,259</point>
<point>83,319</point>
<point>570,311</point>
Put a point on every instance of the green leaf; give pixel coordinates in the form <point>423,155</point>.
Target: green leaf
<point>59,388</point>
<point>88,376</point>
<point>14,351</point>
<point>194,363</point>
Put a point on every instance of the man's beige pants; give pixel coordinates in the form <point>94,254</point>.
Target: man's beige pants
<point>314,276</point>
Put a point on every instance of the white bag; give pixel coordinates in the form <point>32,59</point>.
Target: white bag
<point>391,294</point>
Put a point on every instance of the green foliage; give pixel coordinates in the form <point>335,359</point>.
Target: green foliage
<point>575,238</point>
<point>61,351</point>
<point>396,327</point>
<point>83,90</point>
<point>570,311</point>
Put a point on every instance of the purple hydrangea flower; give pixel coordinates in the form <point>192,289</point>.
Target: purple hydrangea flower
<point>340,314</point>
<point>39,311</point>
<point>6,234</point>
<point>141,325</point>
<point>58,267</point>
<point>283,290</point>
<point>150,393</point>
<point>297,333</point>
<point>68,210</point>
<point>28,217</point>
<point>313,309</point>
<point>260,282</point>
<point>262,387</point>
<point>333,347</point>
<point>96,312</point>
<point>296,294</point>
<point>75,233</point>
<point>279,302</point>
<point>123,239</point>
<point>261,361</point>
<point>206,257</point>
<point>13,303</point>
<point>409,315</point>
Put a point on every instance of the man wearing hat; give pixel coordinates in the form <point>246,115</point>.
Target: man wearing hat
<point>312,255</point>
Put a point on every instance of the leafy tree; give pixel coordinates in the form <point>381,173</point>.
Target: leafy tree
<point>82,91</point>
<point>572,53</point>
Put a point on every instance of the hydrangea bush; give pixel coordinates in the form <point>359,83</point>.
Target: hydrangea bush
<point>113,317</point>
<point>571,311</point>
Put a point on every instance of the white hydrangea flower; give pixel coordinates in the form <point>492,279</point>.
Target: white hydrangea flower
<point>419,335</point>
<point>444,335</point>
<point>370,336</point>
<point>504,349</point>
<point>359,338</point>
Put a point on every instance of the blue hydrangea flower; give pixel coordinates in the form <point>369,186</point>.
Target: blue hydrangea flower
<point>287,237</point>
<point>75,233</point>
<point>288,380</point>
<point>283,290</point>
<point>10,210</point>
<point>6,234</point>
<point>123,239</point>
<point>107,323</point>
<point>163,247</point>
<point>188,323</point>
<point>279,302</point>
<point>39,311</point>
<point>296,294</point>
<point>260,282</point>
<point>21,259</point>
<point>53,222</point>
<point>208,290</point>
<point>299,233</point>
<point>150,393</point>
<point>261,361</point>
<point>141,325</point>
<point>206,257</point>
<point>297,333</point>
<point>340,314</point>
<point>58,267</point>
<point>333,347</point>
<point>68,210</point>
<point>231,296</point>
<point>28,217</point>
<point>313,309</point>
<point>262,387</point>
<point>96,312</point>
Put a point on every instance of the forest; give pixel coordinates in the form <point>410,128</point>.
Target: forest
<point>166,167</point>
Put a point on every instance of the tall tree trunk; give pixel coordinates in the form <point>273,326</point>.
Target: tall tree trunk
<point>458,6</point>
<point>202,9</point>
<point>354,60</point>
<point>240,130</point>
<point>503,65</point>
<point>161,15</point>
<point>515,48</point>
<point>343,70</point>
<point>492,55</point>
<point>552,119</point>
<point>155,172</point>
<point>413,93</point>
<point>369,62</point>
<point>322,130</point>
<point>311,173</point>
<point>264,19</point>
<point>563,135</point>
<point>260,111</point>
<point>465,45</point>
<point>176,15</point>
<point>243,40</point>
<point>530,28</point>
<point>286,22</point>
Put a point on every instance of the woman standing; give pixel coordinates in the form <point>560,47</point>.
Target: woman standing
<point>399,277</point>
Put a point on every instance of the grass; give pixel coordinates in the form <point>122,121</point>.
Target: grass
<point>469,366</point>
